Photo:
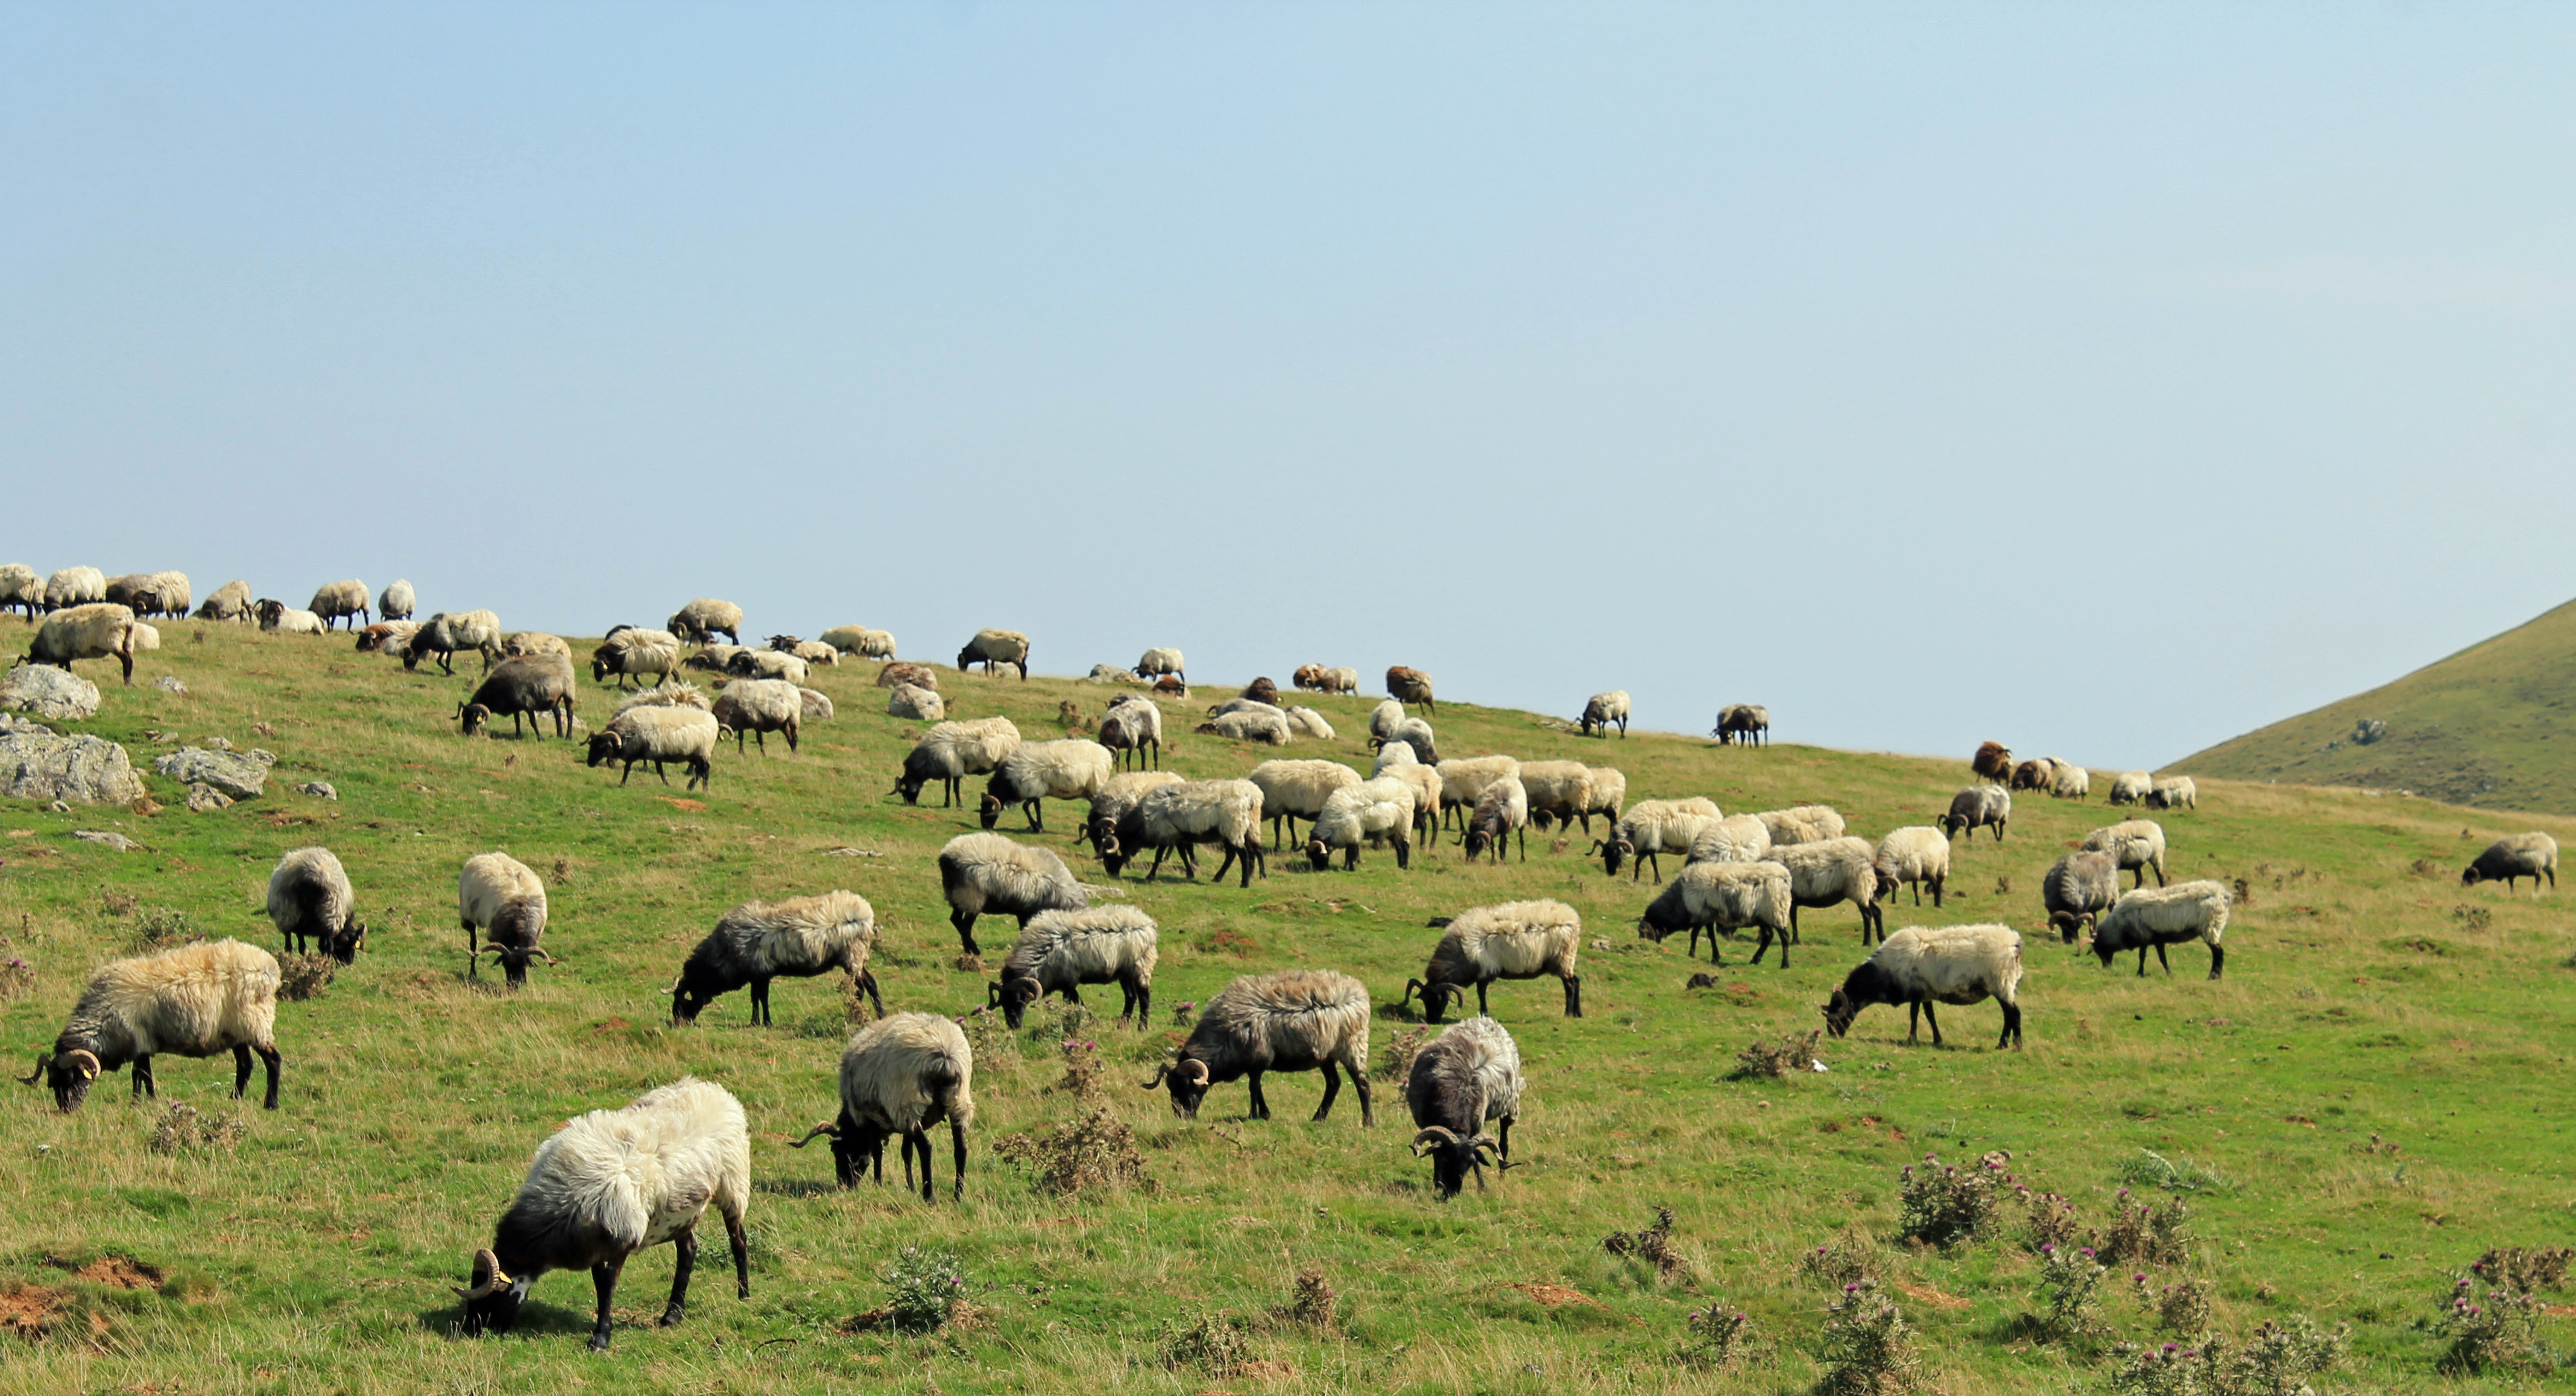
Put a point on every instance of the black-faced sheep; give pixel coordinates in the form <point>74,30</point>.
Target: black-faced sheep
<point>994,649</point>
<point>22,590</point>
<point>277,618</point>
<point>1915,855</point>
<point>1117,798</point>
<point>1172,818</point>
<point>2131,787</point>
<point>1978,807</point>
<point>505,900</point>
<point>2142,920</point>
<point>1652,828</point>
<point>1993,761</point>
<point>2078,889</point>
<point>338,601</point>
<point>1826,874</point>
<point>952,751</point>
<point>1748,723</point>
<point>2514,856</point>
<point>1380,807</point>
<point>1134,727</point>
<point>98,630</point>
<point>1160,661</point>
<point>1501,810</point>
<point>446,634</point>
<point>1603,710</point>
<point>1513,940</point>
<point>1061,951</point>
<point>757,942</point>
<point>704,619</point>
<point>75,586</point>
<point>1730,897</point>
<point>1289,1020</point>
<point>391,637</point>
<point>1294,790</point>
<point>988,875</point>
<point>2173,793</point>
<point>1411,686</point>
<point>611,1183</point>
<point>2039,774</point>
<point>1559,792</point>
<point>1463,780</point>
<point>194,1000</point>
<point>2138,844</point>
<point>758,707</point>
<point>529,688</point>
<point>861,641</point>
<point>1074,768</point>
<point>309,899</point>
<point>1410,732</point>
<point>628,654</point>
<point>231,601</point>
<point>1920,966</point>
<point>660,726</point>
<point>1468,1075</point>
<point>900,1076</point>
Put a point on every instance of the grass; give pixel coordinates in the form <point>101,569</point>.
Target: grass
<point>2372,1094</point>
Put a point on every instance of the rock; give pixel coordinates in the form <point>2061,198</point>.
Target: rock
<point>817,705</point>
<point>219,743</point>
<point>86,770</point>
<point>57,695</point>
<point>318,789</point>
<point>117,841</point>
<point>11,722</point>
<point>169,683</point>
<point>237,776</point>
<point>205,799</point>
<point>265,758</point>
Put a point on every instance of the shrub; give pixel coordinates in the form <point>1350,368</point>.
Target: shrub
<point>2070,1306</point>
<point>1654,1245</point>
<point>2276,1362</point>
<point>989,1037</point>
<point>2523,1269</point>
<point>1312,1304</point>
<point>2491,1329</point>
<point>1795,1052</point>
<point>1081,1070</point>
<point>1867,1347</point>
<point>2181,1308</point>
<point>2472,918</point>
<point>1940,1203</point>
<point>1719,1338</point>
<point>2149,1169</point>
<point>2157,1235</point>
<point>923,1288</point>
<point>162,927</point>
<point>1069,1021</point>
<point>1401,1049</point>
<point>2048,1219</point>
<point>183,1130</point>
<point>1838,1262</point>
<point>1096,1153</point>
<point>1215,1342</point>
<point>304,977</point>
<point>17,976</point>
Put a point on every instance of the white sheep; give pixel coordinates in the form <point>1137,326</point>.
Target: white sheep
<point>2173,792</point>
<point>861,641</point>
<point>952,751</point>
<point>1253,724</point>
<point>1651,828</point>
<point>98,630</point>
<point>900,1076</point>
<point>1072,769</point>
<point>1603,710</point>
<point>1158,662</point>
<point>797,938</point>
<point>1289,1020</point>
<point>1226,813</point>
<point>1511,940</point>
<point>278,618</point>
<point>704,619</point>
<point>2533,855</point>
<point>309,898</point>
<point>1609,795</point>
<point>1915,855</point>
<point>2139,844</point>
<point>1396,760</point>
<point>505,901</point>
<point>1134,727</point>
<point>2142,920</point>
<point>1063,950</point>
<point>2131,787</point>
<point>446,634</point>
<point>1380,807</point>
<point>397,603</point>
<point>1802,824</point>
<point>907,700</point>
<point>1922,966</point>
<point>2073,782</point>
<point>337,601</point>
<point>994,649</point>
<point>1308,722</point>
<point>769,664</point>
<point>757,707</point>
<point>193,1000</point>
<point>628,654</point>
<point>1738,838</point>
<point>1294,790</point>
<point>231,601</point>
<point>659,732</point>
<point>1384,719</point>
<point>21,589</point>
<point>1463,780</point>
<point>1730,897</point>
<point>1559,791</point>
<point>1501,810</point>
<point>988,875</point>
<point>75,586</point>
<point>1829,873</point>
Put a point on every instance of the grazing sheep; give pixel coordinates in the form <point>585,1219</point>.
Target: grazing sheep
<point>231,601</point>
<point>2078,889</point>
<point>768,664</point>
<point>1512,940</point>
<point>75,586</point>
<point>1289,1020</point>
<point>1603,709</point>
<point>1309,722</point>
<point>22,590</point>
<point>1993,762</point>
<point>1916,855</point>
<point>1920,966</point>
<point>278,618</point>
<point>611,1183</point>
<point>445,634</point>
<point>2040,774</point>
<point>1651,828</point>
<point>1072,769</point>
<point>920,703</point>
<point>861,641</point>
<point>818,704</point>
<point>1111,673</point>
<point>988,875</point>
<point>529,687</point>
<point>1226,813</point>
<point>170,595</point>
<point>653,729</point>
<point>2173,792</point>
<point>705,618</point>
<point>2131,787</point>
<point>628,654</point>
<point>1063,950</point>
<point>810,651</point>
<point>1380,807</point>
<point>536,644</point>
<point>505,900</point>
<point>1559,792</point>
<point>98,630</point>
<point>1412,732</point>
<point>1748,723</point>
<point>900,1076</point>
<point>193,1000</point>
<point>1384,719</point>
<point>2073,782</point>
<point>1158,662</point>
<point>2143,920</point>
<point>952,751</point>
<point>1500,810</point>
<point>396,603</point>
<point>1978,807</point>
<point>1728,897</point>
<point>992,648</point>
<point>1262,690</point>
<point>757,707</point>
<point>1318,678</point>
<point>1294,790</point>
<point>1469,1074</point>
<point>1117,798</point>
<point>1738,838</point>
<point>1463,780</point>
<point>1244,704</point>
<point>391,637</point>
<point>1396,761</point>
<point>1802,824</point>
<point>1411,686</point>
<point>2138,844</point>
<point>1835,871</point>
<point>713,659</point>
<point>336,601</point>
<point>1269,728</point>
<point>1609,794</point>
<point>132,590</point>
<point>1170,686</point>
<point>2514,856</point>
<point>757,942</point>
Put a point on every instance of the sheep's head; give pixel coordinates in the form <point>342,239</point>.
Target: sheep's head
<point>2068,924</point>
<point>1884,887</point>
<point>1452,1157</point>
<point>688,1000</point>
<point>967,656</point>
<point>990,812</point>
<point>473,716</point>
<point>1435,997</point>
<point>345,945</point>
<point>602,746</point>
<point>1319,855</point>
<point>1614,852</point>
<point>1188,1080</point>
<point>1013,996</point>
<point>1952,823</point>
<point>1478,841</point>
<point>1839,1012</point>
<point>2471,876</point>
<point>68,1075</point>
<point>492,1305</point>
<point>1112,857</point>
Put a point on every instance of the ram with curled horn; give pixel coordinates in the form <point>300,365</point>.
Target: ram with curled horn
<point>900,1076</point>
<point>1291,1020</point>
<point>1452,1157</point>
<point>1467,1076</point>
<point>757,942</point>
<point>194,1000</point>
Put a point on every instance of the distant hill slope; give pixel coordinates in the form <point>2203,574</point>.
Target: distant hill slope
<point>2490,725</point>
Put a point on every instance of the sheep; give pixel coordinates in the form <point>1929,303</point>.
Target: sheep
<point>505,900</point>
<point>1834,871</point>
<point>861,641</point>
<point>1653,827</point>
<point>1729,897</point>
<point>1244,703</point>
<point>1469,1074</point>
<point>1558,791</point>
<point>1063,950</point>
<point>1294,790</point>
<point>628,654</point>
<point>1411,686</point>
<point>2142,920</point>
<point>193,1000</point>
<point>757,942</point>
<point>1269,728</point>
<point>445,633</point>
<point>1262,690</point>
<point>1511,940</point>
<point>1380,807</point>
<point>991,648</point>
<point>1500,810</point>
<point>2138,844</point>
<point>1384,719</point>
<point>336,601</point>
<point>1609,794</point>
<point>1118,797</point>
<point>75,586</point>
<point>2173,792</point>
<point>952,751</point>
<point>713,659</point>
<point>1738,838</point>
<point>1802,824</point>
<point>1921,966</point>
<point>397,601</point>
<point>1916,854</point>
<point>22,590</point>
<point>1170,686</point>
<point>611,1183</point>
<point>988,875</point>
<point>1223,812</point>
<point>1288,1020</point>
<point>278,618</point>
<point>659,732</point>
<point>98,630</point>
<point>817,704</point>
<point>1158,662</point>
<point>1072,769</point>
<point>1412,732</point>
<point>918,703</point>
<point>704,619</point>
<point>898,674</point>
<point>133,590</point>
<point>768,664</point>
<point>900,1076</point>
<point>1309,722</point>
<point>2131,787</point>
<point>1111,673</point>
<point>1993,762</point>
<point>391,637</point>
<point>2040,774</point>
<point>2514,856</point>
<point>168,595</point>
<point>1749,723</point>
<point>231,601</point>
<point>1314,678</point>
<point>2073,782</point>
<point>811,651</point>
<point>1603,709</point>
<point>2078,889</point>
<point>1978,807</point>
<point>757,707</point>
<point>1340,679</point>
<point>530,687</point>
<point>1463,780</point>
<point>536,644</point>
<point>1396,761</point>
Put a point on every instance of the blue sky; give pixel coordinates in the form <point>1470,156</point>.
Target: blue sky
<point>2104,380</point>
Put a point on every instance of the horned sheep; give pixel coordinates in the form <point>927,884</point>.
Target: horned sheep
<point>447,633</point>
<point>2078,889</point>
<point>2142,920</point>
<point>529,688</point>
<point>628,654</point>
<point>1135,727</point>
<point>989,875</point>
<point>757,942</point>
<point>1748,723</point>
<point>1729,897</point>
<point>1978,807</point>
<point>1117,797</point>
<point>994,648</point>
<point>1501,810</point>
<point>388,637</point>
<point>1061,951</point>
<point>505,901</point>
<point>1993,761</point>
<point>1072,769</point>
<point>1294,790</point>
<point>192,1000</point>
<point>1917,856</point>
<point>660,725</point>
<point>1604,709</point>
<point>1380,807</point>
<point>2533,855</point>
<point>952,751</point>
<point>1651,828</point>
<point>277,618</point>
<point>1415,733</point>
<point>1512,940</point>
<point>1922,966</point>
<point>812,652</point>
<point>900,1076</point>
<point>337,601</point>
<point>1289,1020</point>
<point>309,900</point>
<point>768,664</point>
<point>1226,813</point>
<point>705,618</point>
<point>99,630</point>
<point>2131,787</point>
<point>2037,774</point>
<point>2173,792</point>
<point>1411,686</point>
<point>1463,780</point>
<point>2138,844</point>
<point>1468,1075</point>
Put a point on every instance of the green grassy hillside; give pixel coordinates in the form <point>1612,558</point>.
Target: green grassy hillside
<point>2490,726</point>
<point>2376,1084</point>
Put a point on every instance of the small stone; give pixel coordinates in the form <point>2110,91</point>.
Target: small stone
<point>205,799</point>
<point>220,743</point>
<point>1601,942</point>
<point>114,840</point>
<point>265,758</point>
<point>59,807</point>
<point>169,683</point>
<point>238,776</point>
<point>318,789</point>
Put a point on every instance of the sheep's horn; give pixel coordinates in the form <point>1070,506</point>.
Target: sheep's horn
<point>1198,1072</point>
<point>87,1061</point>
<point>993,995</point>
<point>540,953</point>
<point>1157,1078</point>
<point>1488,1145</point>
<point>1437,1134</point>
<point>827,1127</point>
<point>488,1276</point>
<point>43,1060</point>
<point>675,987</point>
<point>1410,986</point>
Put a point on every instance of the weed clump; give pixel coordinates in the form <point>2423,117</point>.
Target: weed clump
<point>17,977</point>
<point>1719,1338</point>
<point>2276,1361</point>
<point>304,976</point>
<point>1795,1052</point>
<point>1867,1347</point>
<point>1400,1052</point>
<point>2149,1169</point>
<point>2181,1308</point>
<point>1216,1343</point>
<point>2472,918</point>
<point>1312,1304</point>
<point>1096,1153</point>
<point>2069,1293</point>
<point>1940,1204</point>
<point>163,927</point>
<point>1185,1013</point>
<point>1654,1245</point>
<point>184,1130</point>
<point>2523,1269</point>
<point>923,1289</point>
<point>1082,1070</point>
<point>1838,1263</point>
<point>2048,1219</point>
<point>2491,1328</point>
<point>2152,1235</point>
<point>988,1036</point>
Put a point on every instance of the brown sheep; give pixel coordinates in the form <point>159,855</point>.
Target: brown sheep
<point>1993,762</point>
<point>1262,690</point>
<point>1410,686</point>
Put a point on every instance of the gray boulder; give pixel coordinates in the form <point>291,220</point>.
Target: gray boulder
<point>110,837</point>
<point>238,776</point>
<point>319,789</point>
<point>169,683</point>
<point>206,799</point>
<point>56,695</point>
<point>66,770</point>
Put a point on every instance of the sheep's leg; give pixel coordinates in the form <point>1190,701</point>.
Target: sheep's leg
<point>1156,870</point>
<point>1037,816</point>
<point>2142,962</point>
<point>1934,1019</point>
<point>1574,994</point>
<point>906,1146</point>
<point>603,1277</point>
<point>868,981</point>
<point>1914,1021</point>
<point>1332,1088</point>
<point>2012,1027</point>
<point>1260,1103</point>
<point>2217,960</point>
<point>276,1066</point>
<point>957,1151</point>
<point>659,771</point>
<point>964,921</point>
<point>920,1139</point>
<point>759,1002</point>
<point>741,1253</point>
<point>144,1085</point>
<point>241,1069</point>
<point>685,1244</point>
<point>2165,963</point>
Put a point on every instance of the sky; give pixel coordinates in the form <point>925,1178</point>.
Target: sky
<point>2104,380</point>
